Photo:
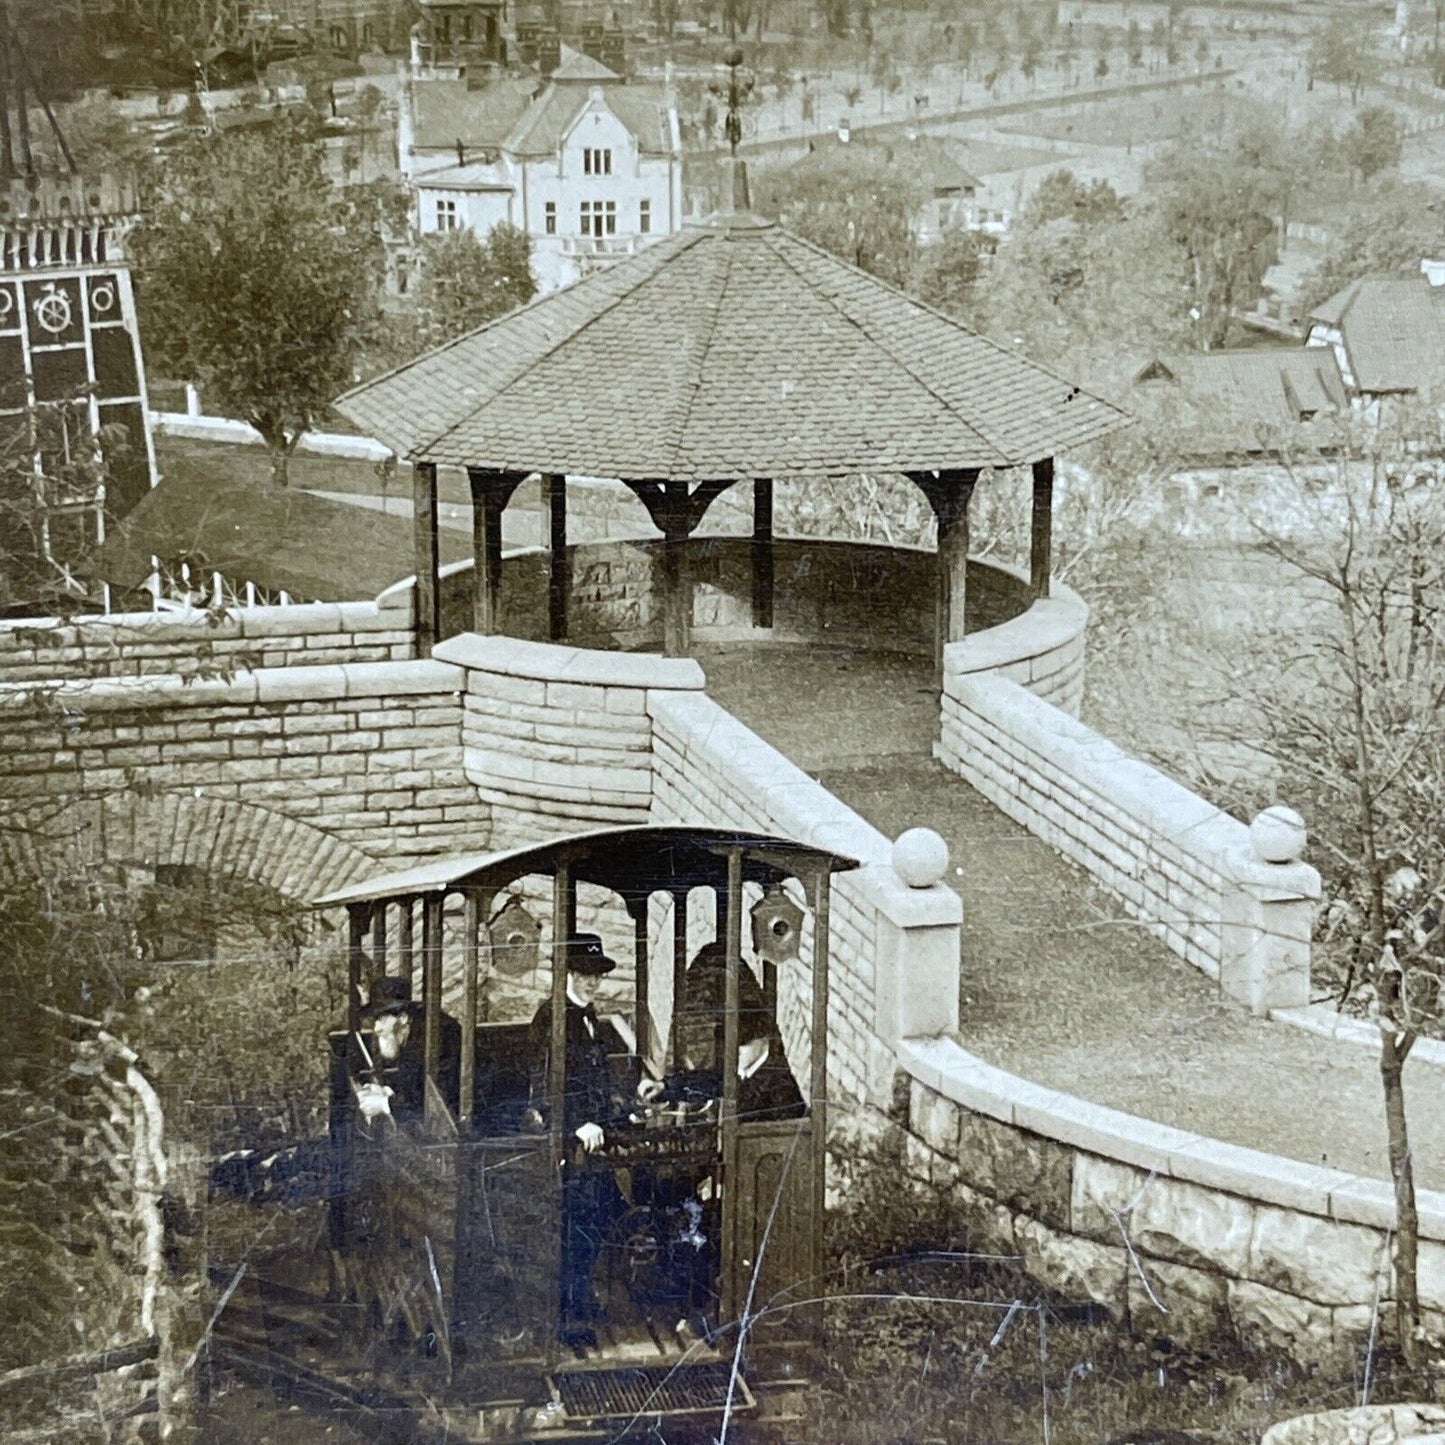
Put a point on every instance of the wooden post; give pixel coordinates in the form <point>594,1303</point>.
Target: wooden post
<point>676,604</point>
<point>358,916</point>
<point>559,577</point>
<point>425,543</point>
<point>563,907</point>
<point>733,943</point>
<point>431,988</point>
<point>467,1068</point>
<point>679,971</point>
<point>378,939</point>
<point>818,1062</point>
<point>1041,539</point>
<point>763,564</point>
<point>490,491</point>
<point>642,1017</point>
<point>406,941</point>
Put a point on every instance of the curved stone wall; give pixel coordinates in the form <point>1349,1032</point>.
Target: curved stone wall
<point>1174,1233</point>
<point>855,593</point>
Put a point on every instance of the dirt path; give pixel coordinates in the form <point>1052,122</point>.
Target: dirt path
<point>1059,985</point>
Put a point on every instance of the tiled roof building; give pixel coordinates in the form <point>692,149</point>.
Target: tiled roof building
<point>588,166</point>
<point>1255,400</point>
<point>1387,333</point>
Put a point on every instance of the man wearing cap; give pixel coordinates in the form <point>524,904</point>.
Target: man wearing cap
<point>591,1200</point>
<point>393,1065</point>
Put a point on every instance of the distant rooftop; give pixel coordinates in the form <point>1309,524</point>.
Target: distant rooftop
<point>1393,330</point>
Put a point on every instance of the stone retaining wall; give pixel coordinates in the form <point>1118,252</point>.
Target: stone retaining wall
<point>197,643</point>
<point>1180,865</point>
<point>367,754</point>
<point>1041,648</point>
<point>894,958</point>
<point>1144,1219</point>
<point>558,739</point>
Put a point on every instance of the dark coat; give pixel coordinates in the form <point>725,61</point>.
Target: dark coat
<point>590,1098</point>
<point>766,1095</point>
<point>406,1076</point>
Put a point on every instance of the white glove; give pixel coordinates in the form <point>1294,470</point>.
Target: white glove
<point>373,1100</point>
<point>591,1137</point>
<point>650,1089</point>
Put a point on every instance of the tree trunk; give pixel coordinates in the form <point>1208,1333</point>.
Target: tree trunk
<point>281,465</point>
<point>1393,1052</point>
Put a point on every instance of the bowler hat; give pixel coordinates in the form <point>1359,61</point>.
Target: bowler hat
<point>585,955</point>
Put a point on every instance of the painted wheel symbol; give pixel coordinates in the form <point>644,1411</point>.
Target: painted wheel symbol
<point>102,298</point>
<point>52,311</point>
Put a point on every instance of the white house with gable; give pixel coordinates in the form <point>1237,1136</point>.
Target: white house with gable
<point>587,165</point>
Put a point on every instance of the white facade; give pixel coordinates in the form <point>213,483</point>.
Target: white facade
<point>599,195</point>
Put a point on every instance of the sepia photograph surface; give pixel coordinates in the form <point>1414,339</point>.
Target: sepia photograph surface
<point>722,722</point>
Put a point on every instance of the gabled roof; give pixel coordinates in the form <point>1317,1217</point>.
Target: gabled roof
<point>1393,330</point>
<point>727,351</point>
<point>447,111</point>
<point>543,127</point>
<point>1248,399</point>
<point>578,67</point>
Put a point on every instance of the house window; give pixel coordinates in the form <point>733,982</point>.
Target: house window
<point>644,217</point>
<point>446,214</point>
<point>599,218</point>
<point>596,162</point>
<point>549,223</point>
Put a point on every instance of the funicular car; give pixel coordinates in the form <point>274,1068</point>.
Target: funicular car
<point>449,1222</point>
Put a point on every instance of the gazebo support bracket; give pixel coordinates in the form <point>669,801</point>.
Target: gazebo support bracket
<point>948,493</point>
<point>491,491</point>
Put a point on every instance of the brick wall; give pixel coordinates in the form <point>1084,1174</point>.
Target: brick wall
<point>367,755</point>
<point>197,643</point>
<point>1181,865</point>
<point>711,769</point>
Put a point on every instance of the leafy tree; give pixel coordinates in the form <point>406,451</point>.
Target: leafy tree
<point>1345,51</point>
<point>1375,141</point>
<point>251,280</point>
<point>1221,213</point>
<point>467,281</point>
<point>1061,195</point>
<point>852,202</point>
<point>1094,300</point>
<point>1391,225</point>
<point>948,271</point>
<point>1354,708</point>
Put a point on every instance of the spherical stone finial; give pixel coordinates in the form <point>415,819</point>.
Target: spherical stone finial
<point>1278,835</point>
<point>920,857</point>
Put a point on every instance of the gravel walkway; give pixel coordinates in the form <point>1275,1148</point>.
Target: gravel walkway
<point>1059,984</point>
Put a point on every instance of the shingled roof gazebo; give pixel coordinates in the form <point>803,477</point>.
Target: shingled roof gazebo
<point>730,352</point>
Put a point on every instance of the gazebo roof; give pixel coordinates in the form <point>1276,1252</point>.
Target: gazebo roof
<point>731,350</point>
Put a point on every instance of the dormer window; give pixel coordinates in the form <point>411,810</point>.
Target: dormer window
<point>596,162</point>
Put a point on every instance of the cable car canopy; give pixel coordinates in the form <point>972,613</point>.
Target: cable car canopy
<point>631,861</point>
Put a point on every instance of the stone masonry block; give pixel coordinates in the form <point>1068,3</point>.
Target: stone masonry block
<point>1101,1189</point>
<point>1202,1228</point>
<point>1196,1302</point>
<point>1074,1266</point>
<point>1319,1259</point>
<point>1018,1168</point>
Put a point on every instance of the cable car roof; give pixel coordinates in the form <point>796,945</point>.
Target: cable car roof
<point>626,860</point>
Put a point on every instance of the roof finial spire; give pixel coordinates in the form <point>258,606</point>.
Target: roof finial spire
<point>739,86</point>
